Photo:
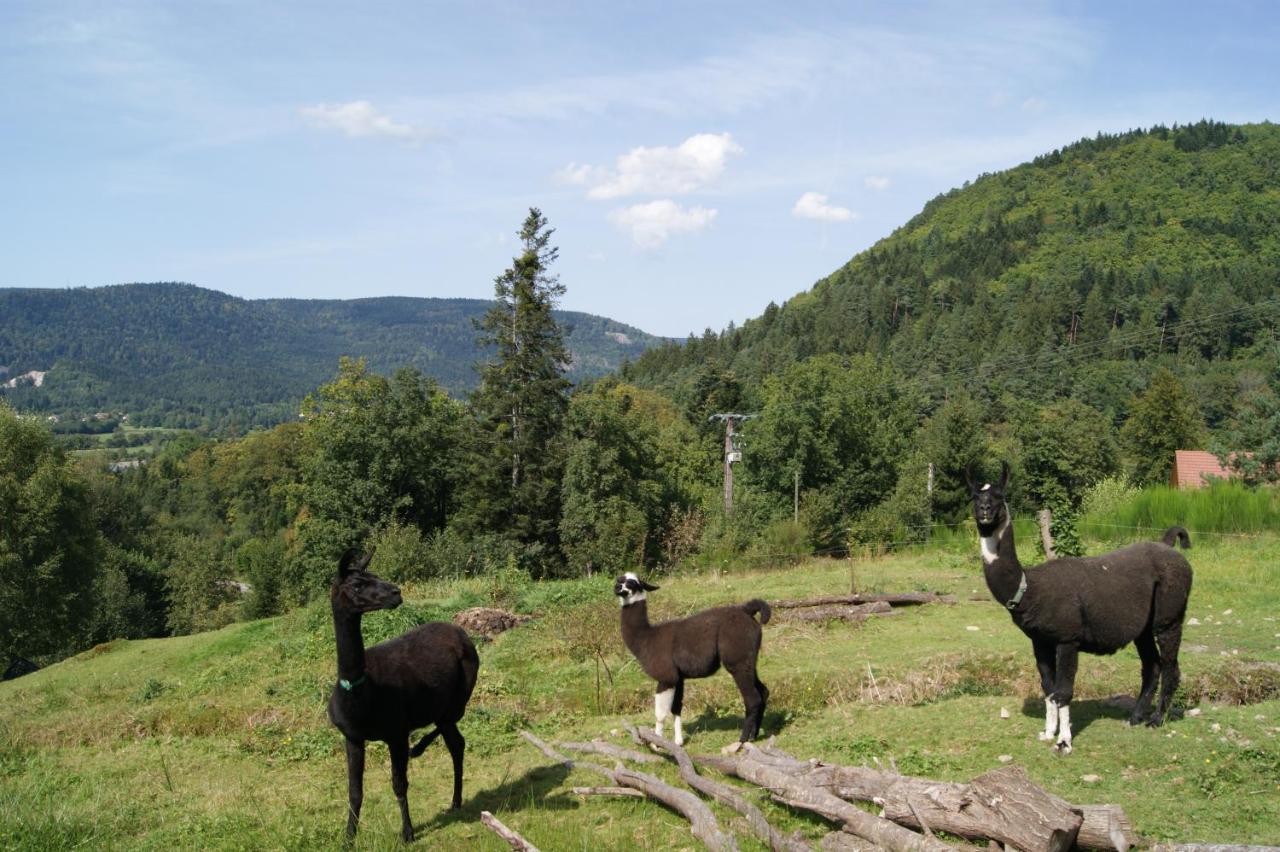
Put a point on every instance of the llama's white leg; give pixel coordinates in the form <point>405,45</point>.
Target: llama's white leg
<point>679,732</point>
<point>662,708</point>
<point>1051,716</point>
<point>1063,745</point>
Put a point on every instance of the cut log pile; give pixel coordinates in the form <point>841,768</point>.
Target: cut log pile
<point>855,608</point>
<point>914,814</point>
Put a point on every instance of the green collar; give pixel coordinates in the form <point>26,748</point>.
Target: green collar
<point>349,685</point>
<point>1017,597</point>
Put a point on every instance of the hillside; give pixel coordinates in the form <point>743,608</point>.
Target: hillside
<point>179,355</point>
<point>1069,276</point>
<point>219,740</point>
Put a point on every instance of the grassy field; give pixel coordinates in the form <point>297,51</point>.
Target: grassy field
<point>220,740</point>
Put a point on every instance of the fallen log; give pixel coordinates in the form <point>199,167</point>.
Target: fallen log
<point>843,841</point>
<point>517,842</point>
<point>723,793</point>
<point>701,819</point>
<point>894,599</point>
<point>1002,805</point>
<point>1100,828</point>
<point>798,794</point>
<point>1104,827</point>
<point>856,613</point>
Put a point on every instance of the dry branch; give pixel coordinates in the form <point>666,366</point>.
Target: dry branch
<point>517,842</point>
<point>611,750</point>
<point>898,599</point>
<point>723,793</point>
<point>702,820</point>
<point>607,791</point>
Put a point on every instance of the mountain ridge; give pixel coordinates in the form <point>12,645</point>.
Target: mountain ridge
<point>178,354</point>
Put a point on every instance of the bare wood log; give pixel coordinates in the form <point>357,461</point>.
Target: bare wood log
<point>607,791</point>
<point>517,842</point>
<point>896,599</point>
<point>843,841</point>
<point>723,793</point>
<point>701,819</point>
<point>1104,827</point>
<point>1002,805</point>
<point>617,752</point>
<point>857,821</point>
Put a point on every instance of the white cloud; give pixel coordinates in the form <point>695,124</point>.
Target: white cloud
<point>652,224</point>
<point>876,182</point>
<point>360,119</point>
<point>691,165</point>
<point>814,205</point>
<point>1034,104</point>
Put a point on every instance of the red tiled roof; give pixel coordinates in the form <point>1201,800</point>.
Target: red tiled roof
<point>1193,468</point>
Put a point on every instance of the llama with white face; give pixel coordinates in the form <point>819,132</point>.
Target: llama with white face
<point>694,647</point>
<point>1095,604</point>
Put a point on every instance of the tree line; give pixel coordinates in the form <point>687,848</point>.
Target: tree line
<point>850,445</point>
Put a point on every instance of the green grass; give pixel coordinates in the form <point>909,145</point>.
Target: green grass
<point>220,740</point>
<point>1223,508</point>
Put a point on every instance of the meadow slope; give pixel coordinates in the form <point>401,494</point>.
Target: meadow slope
<point>219,740</point>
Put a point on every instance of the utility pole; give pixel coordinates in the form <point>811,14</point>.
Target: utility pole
<point>731,453</point>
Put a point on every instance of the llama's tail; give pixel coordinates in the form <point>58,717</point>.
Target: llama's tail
<point>756,605</point>
<point>1177,535</point>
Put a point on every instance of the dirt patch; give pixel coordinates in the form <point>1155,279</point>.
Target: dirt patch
<point>487,621</point>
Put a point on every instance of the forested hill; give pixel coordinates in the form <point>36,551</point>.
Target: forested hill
<point>180,355</point>
<point>1072,275</point>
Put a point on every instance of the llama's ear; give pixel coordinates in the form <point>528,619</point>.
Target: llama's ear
<point>354,560</point>
<point>968,478</point>
<point>1004,476</point>
<point>647,587</point>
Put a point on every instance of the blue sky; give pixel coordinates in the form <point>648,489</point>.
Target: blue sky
<point>698,160</point>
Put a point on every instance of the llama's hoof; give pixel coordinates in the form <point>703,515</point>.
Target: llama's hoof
<point>1155,721</point>
<point>1062,747</point>
<point>1044,736</point>
<point>731,748</point>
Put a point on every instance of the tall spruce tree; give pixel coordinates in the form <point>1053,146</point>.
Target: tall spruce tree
<point>521,402</point>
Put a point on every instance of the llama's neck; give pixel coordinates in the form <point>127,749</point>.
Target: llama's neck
<point>1000,562</point>
<point>346,629</point>
<point>635,624</point>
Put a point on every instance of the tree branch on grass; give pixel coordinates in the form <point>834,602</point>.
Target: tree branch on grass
<point>517,842</point>
<point>721,792</point>
<point>702,821</point>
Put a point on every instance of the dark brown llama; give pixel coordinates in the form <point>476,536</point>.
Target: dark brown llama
<point>695,647</point>
<point>421,677</point>
<point>1095,604</point>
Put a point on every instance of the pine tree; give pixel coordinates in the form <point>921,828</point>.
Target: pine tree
<point>521,402</point>
<point>1162,420</point>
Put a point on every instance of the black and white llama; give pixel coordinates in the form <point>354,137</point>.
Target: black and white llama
<point>1095,604</point>
<point>695,647</point>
